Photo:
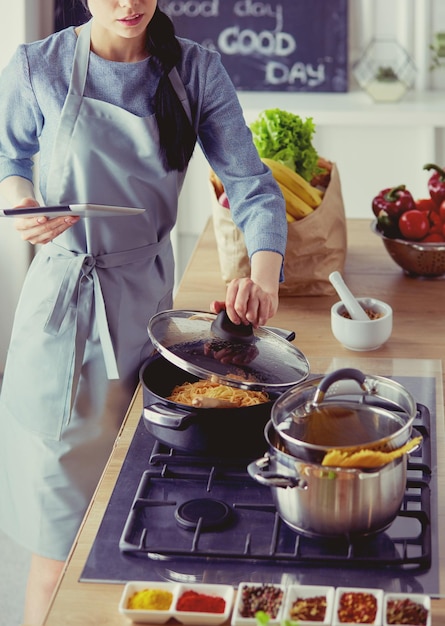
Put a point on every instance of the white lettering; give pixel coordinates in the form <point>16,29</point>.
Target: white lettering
<point>250,8</point>
<point>316,75</point>
<point>192,8</point>
<point>305,74</point>
<point>232,40</point>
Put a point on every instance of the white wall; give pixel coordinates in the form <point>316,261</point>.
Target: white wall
<point>13,254</point>
<point>26,20</point>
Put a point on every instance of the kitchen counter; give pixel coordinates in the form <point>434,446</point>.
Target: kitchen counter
<point>418,336</point>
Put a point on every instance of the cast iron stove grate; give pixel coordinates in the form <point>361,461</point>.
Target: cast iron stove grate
<point>230,516</point>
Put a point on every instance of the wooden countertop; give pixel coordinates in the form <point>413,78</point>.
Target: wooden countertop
<point>418,334</point>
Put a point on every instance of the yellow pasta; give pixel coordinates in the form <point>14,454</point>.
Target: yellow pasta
<point>226,396</point>
<point>367,457</point>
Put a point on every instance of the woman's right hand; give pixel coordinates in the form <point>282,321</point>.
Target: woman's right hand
<point>41,230</point>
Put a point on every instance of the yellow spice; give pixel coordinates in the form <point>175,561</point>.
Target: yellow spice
<point>151,600</point>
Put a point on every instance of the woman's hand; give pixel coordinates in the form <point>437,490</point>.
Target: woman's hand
<point>41,230</point>
<point>247,303</point>
<point>254,300</point>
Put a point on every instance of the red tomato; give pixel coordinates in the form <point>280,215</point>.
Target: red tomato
<point>414,224</point>
<point>442,212</point>
<point>435,222</point>
<point>426,204</point>
<point>433,238</point>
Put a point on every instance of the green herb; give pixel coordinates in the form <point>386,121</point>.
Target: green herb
<point>386,74</point>
<point>262,619</point>
<point>285,137</point>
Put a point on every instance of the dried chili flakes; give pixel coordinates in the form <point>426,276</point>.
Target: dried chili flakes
<point>309,609</point>
<point>256,598</point>
<point>406,612</point>
<point>357,607</point>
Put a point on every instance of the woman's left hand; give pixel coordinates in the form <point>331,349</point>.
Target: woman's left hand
<point>247,303</point>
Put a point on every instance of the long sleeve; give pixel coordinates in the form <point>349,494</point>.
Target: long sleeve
<point>256,202</point>
<point>21,119</point>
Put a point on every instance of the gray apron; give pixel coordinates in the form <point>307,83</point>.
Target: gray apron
<point>80,331</point>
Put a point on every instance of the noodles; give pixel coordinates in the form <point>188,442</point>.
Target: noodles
<point>187,393</point>
<point>366,457</point>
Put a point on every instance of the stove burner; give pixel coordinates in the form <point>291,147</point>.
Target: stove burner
<point>209,513</point>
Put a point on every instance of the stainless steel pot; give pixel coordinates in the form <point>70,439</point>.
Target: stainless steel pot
<point>345,410</point>
<point>322,501</point>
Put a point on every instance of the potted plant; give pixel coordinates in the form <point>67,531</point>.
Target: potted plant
<point>385,71</point>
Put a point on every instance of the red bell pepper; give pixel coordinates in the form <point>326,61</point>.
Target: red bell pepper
<point>393,201</point>
<point>436,183</point>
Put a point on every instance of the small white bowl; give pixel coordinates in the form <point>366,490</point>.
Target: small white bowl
<point>295,592</point>
<point>147,616</point>
<point>378,595</point>
<point>150,616</point>
<point>239,620</point>
<point>226,592</point>
<point>362,335</point>
<point>418,598</point>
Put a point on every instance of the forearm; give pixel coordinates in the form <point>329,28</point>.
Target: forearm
<point>15,189</point>
<point>265,270</point>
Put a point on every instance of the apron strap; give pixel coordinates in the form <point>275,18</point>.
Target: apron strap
<point>79,265</point>
<point>81,55</point>
<point>179,88</point>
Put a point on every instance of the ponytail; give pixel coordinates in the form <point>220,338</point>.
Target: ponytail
<point>176,133</point>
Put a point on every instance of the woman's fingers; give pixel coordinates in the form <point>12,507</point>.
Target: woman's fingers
<point>247,303</point>
<point>41,230</point>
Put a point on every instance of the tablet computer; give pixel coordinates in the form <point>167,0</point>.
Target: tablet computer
<point>83,210</point>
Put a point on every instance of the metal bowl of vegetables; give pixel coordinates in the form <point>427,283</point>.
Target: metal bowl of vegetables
<point>416,258</point>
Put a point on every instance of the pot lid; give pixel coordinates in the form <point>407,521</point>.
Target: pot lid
<point>344,409</point>
<point>211,347</point>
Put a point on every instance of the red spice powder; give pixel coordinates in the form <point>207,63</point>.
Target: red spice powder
<point>201,603</point>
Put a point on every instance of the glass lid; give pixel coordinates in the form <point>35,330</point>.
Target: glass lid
<point>211,347</point>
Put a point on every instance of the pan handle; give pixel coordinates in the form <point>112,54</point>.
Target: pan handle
<point>258,470</point>
<point>284,333</point>
<point>333,377</point>
<point>161,416</point>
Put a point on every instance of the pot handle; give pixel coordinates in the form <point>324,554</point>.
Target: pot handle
<point>258,471</point>
<point>414,435</point>
<point>174,419</point>
<point>333,377</point>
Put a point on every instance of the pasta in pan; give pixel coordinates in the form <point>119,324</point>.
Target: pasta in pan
<point>220,396</point>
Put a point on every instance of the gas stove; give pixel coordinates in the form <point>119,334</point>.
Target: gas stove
<point>176,516</point>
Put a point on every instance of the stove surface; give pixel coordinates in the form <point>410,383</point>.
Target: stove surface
<point>170,519</point>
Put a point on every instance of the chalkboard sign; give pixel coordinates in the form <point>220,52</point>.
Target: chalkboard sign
<point>269,45</point>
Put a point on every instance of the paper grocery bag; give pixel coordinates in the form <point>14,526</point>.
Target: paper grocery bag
<point>316,245</point>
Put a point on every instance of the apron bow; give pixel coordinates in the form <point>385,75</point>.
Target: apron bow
<point>83,265</point>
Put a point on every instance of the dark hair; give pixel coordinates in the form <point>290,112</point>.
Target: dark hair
<point>177,136</point>
<point>176,133</point>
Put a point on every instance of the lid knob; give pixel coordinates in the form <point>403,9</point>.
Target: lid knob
<point>224,328</point>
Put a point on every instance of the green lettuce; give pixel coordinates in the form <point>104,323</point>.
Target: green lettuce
<point>285,137</point>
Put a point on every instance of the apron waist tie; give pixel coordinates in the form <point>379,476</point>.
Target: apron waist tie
<point>84,264</point>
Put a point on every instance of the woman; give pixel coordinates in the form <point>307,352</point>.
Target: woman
<point>114,108</point>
